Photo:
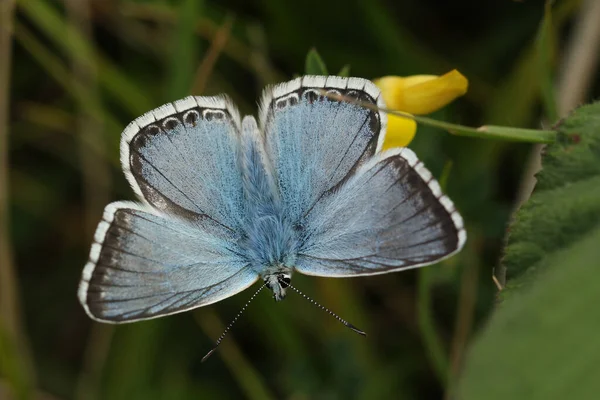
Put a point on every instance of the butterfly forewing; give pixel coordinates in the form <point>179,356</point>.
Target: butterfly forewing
<point>182,158</point>
<point>391,215</point>
<point>313,142</point>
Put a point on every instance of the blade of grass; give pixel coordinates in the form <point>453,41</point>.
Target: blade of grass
<point>95,172</point>
<point>247,377</point>
<point>13,371</point>
<point>314,64</point>
<point>118,84</point>
<point>135,354</point>
<point>184,57</point>
<point>19,366</point>
<point>236,49</point>
<point>57,70</point>
<point>345,71</point>
<point>464,319</point>
<point>94,361</point>
<point>212,55</point>
<point>433,344</point>
<point>96,179</point>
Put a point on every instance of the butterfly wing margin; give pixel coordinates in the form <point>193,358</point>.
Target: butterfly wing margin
<point>181,158</point>
<point>390,216</point>
<point>143,265</point>
<point>313,142</point>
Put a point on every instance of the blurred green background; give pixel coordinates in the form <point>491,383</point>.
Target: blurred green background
<point>80,70</point>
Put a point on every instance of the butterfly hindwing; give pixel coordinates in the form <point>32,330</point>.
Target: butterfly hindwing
<point>390,215</point>
<point>144,265</point>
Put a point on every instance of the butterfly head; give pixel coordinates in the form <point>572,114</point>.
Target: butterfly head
<point>278,283</point>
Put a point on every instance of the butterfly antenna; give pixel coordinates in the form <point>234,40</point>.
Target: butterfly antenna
<point>343,321</point>
<point>220,339</point>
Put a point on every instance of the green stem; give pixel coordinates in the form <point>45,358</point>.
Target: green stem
<point>483,132</point>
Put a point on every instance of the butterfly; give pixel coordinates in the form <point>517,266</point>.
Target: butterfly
<point>226,201</point>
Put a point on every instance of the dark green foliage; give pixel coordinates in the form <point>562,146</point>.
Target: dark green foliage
<point>541,342</point>
<point>565,204</point>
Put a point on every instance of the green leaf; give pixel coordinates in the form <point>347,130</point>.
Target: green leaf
<point>314,64</point>
<point>539,344</point>
<point>184,57</point>
<point>566,201</point>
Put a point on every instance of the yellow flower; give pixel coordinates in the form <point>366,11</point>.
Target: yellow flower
<point>417,94</point>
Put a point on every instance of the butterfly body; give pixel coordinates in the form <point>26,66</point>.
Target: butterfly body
<point>226,202</point>
<point>271,240</point>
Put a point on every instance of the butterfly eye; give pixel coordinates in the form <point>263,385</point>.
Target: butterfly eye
<point>284,281</point>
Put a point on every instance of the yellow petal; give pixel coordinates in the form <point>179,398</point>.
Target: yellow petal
<point>422,94</point>
<point>400,132</point>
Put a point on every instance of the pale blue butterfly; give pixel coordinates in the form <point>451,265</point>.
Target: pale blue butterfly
<point>226,202</point>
